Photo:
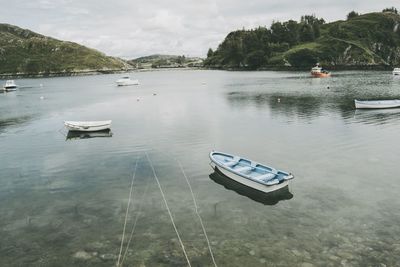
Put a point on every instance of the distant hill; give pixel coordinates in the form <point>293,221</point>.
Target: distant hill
<point>166,61</point>
<point>29,53</point>
<point>362,41</point>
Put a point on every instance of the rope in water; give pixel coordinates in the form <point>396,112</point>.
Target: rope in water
<point>197,212</point>
<point>169,211</point>
<point>127,212</point>
<point>134,225</point>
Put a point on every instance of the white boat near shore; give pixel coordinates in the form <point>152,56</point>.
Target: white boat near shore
<point>126,81</point>
<point>10,86</point>
<point>249,173</point>
<point>374,104</point>
<point>87,126</point>
<point>396,71</point>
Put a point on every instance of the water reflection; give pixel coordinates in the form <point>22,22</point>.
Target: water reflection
<point>271,198</point>
<point>7,122</point>
<point>73,135</point>
<point>377,116</point>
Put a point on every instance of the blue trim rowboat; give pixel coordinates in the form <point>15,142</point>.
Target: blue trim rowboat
<point>250,173</point>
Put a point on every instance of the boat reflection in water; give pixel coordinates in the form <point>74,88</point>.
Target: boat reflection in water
<point>376,116</point>
<point>271,198</point>
<point>73,135</point>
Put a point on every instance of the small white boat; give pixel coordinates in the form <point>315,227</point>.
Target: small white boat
<point>249,173</point>
<point>10,86</point>
<point>87,126</point>
<point>125,81</point>
<point>377,103</point>
<point>396,71</point>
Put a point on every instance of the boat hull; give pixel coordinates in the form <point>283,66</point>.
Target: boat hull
<point>9,89</point>
<point>127,83</point>
<point>87,126</point>
<point>376,104</point>
<point>320,75</point>
<point>248,182</point>
<point>271,198</point>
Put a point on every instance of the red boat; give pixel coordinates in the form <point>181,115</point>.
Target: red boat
<point>319,72</point>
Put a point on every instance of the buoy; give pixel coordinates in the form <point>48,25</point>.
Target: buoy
<point>42,97</point>
<point>41,85</point>
<point>137,99</point>
<point>279,100</point>
<point>327,87</point>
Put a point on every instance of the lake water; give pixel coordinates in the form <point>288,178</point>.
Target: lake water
<point>64,199</point>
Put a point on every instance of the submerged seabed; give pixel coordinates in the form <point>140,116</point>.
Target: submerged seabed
<point>63,201</point>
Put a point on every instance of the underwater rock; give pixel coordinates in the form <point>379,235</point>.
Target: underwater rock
<point>252,253</point>
<point>263,260</point>
<point>307,264</point>
<point>296,252</point>
<point>108,257</point>
<point>248,245</point>
<point>83,255</point>
<point>95,245</point>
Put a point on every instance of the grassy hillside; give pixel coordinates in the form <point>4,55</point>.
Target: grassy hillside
<point>26,52</point>
<point>165,61</point>
<point>369,40</point>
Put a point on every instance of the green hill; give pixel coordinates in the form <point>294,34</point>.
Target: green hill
<point>362,41</point>
<point>28,53</point>
<point>166,61</point>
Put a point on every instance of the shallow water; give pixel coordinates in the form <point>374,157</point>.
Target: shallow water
<point>63,198</point>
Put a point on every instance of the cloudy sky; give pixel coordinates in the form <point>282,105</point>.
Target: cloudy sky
<point>133,28</point>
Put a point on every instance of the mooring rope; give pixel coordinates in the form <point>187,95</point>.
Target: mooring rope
<point>134,225</point>
<point>197,211</point>
<point>127,212</point>
<point>169,211</point>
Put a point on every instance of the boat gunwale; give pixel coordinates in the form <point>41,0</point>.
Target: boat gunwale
<point>68,123</point>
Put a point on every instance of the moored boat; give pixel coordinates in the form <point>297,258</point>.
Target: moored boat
<point>396,71</point>
<point>87,126</point>
<point>319,72</point>
<point>250,173</point>
<point>373,104</point>
<point>10,86</point>
<point>126,81</point>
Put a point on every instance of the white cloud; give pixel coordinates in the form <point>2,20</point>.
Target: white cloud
<point>130,29</point>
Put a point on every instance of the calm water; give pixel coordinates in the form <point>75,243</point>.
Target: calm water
<point>63,200</point>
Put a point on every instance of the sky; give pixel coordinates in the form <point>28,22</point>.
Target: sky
<point>134,28</point>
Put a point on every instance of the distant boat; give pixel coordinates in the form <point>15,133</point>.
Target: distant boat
<point>249,173</point>
<point>126,81</point>
<point>396,71</point>
<point>319,72</point>
<point>372,104</point>
<point>10,86</point>
<point>87,126</point>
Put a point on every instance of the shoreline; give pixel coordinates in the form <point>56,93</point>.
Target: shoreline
<point>5,76</point>
<point>291,68</point>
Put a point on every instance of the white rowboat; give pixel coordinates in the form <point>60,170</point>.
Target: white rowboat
<point>87,126</point>
<point>126,81</point>
<point>249,173</point>
<point>371,104</point>
<point>396,71</point>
